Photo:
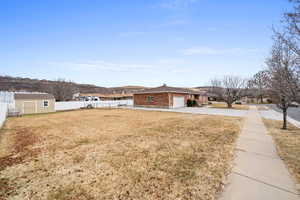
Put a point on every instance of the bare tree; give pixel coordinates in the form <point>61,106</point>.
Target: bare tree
<point>230,88</point>
<point>283,80</point>
<point>216,88</point>
<point>258,84</point>
<point>290,35</point>
<point>63,90</point>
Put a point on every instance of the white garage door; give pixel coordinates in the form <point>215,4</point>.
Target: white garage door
<point>178,102</point>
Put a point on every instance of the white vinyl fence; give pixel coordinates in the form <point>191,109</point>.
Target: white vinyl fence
<point>6,97</point>
<point>6,102</point>
<point>3,112</point>
<point>73,105</point>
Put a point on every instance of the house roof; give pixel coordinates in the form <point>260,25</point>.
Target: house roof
<point>165,88</point>
<point>106,95</point>
<point>33,96</point>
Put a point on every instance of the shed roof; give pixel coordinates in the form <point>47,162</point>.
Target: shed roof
<point>165,88</point>
<point>33,96</point>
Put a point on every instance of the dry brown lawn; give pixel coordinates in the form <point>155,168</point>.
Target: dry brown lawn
<point>115,154</point>
<point>234,106</point>
<point>288,145</point>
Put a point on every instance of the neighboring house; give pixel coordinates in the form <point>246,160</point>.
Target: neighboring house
<point>29,103</point>
<point>255,100</point>
<point>168,97</point>
<point>104,97</point>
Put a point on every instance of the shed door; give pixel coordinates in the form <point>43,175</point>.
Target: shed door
<point>178,102</point>
<point>29,107</point>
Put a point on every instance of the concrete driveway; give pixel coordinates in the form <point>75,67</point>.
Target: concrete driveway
<point>200,110</point>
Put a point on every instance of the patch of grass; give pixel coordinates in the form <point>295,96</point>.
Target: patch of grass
<point>83,141</point>
<point>6,188</point>
<point>120,154</point>
<point>288,144</point>
<point>224,106</point>
<point>70,192</point>
<point>78,158</point>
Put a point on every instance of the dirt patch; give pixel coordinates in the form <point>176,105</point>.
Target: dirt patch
<point>71,192</point>
<point>9,160</point>
<point>6,188</point>
<point>118,154</point>
<point>22,140</point>
<point>24,137</point>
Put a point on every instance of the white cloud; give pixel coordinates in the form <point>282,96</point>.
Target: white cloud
<point>176,4</point>
<point>212,29</point>
<point>131,33</point>
<point>172,22</point>
<point>181,71</point>
<point>101,65</point>
<point>215,51</point>
<point>178,22</point>
<point>170,65</point>
<point>171,61</point>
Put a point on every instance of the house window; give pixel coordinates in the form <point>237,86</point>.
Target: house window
<point>150,98</point>
<point>46,103</point>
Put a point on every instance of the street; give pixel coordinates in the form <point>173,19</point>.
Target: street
<point>292,111</point>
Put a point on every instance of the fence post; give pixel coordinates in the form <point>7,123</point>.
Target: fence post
<point>3,113</point>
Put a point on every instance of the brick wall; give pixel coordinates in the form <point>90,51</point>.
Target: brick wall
<point>164,100</point>
<point>160,100</point>
<point>202,100</point>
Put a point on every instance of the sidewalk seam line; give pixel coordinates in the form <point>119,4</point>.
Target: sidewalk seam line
<point>259,154</point>
<point>242,137</point>
<point>274,186</point>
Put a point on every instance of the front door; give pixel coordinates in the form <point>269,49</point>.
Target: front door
<point>29,107</point>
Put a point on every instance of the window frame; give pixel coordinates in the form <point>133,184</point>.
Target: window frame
<point>150,99</point>
<point>47,103</point>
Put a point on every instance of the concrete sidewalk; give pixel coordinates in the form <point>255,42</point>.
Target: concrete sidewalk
<point>258,174</point>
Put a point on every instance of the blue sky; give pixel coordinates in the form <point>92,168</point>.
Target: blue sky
<point>136,42</point>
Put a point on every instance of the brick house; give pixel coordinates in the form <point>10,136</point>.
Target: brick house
<point>167,97</point>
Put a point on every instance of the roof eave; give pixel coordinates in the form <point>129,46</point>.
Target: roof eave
<point>169,92</point>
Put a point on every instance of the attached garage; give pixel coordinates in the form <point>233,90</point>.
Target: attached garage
<point>167,97</point>
<point>30,103</point>
<point>178,102</point>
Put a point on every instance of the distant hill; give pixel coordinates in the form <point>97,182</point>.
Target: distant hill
<point>204,88</point>
<point>126,89</point>
<point>8,83</point>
